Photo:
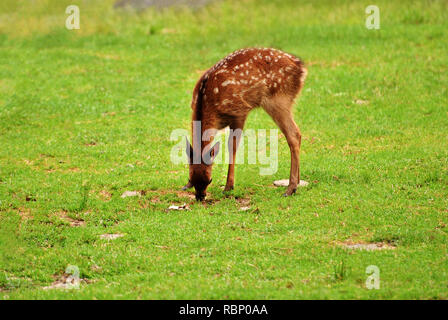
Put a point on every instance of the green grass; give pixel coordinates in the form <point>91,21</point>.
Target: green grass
<point>87,114</point>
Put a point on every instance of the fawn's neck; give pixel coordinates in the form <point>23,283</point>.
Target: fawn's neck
<point>207,129</point>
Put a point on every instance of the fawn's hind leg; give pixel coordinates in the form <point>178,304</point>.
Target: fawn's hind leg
<point>279,109</point>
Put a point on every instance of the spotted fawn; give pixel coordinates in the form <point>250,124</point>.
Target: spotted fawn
<point>224,96</point>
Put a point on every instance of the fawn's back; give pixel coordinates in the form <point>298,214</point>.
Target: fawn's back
<point>246,79</point>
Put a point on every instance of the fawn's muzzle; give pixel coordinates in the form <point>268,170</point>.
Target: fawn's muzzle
<point>200,196</point>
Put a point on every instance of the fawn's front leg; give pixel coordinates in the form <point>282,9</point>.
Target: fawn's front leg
<point>236,130</point>
<point>187,186</point>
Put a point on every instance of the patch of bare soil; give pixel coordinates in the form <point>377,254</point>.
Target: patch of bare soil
<point>105,195</point>
<point>65,281</point>
<point>153,196</point>
<point>155,199</point>
<point>73,222</point>
<point>185,194</point>
<point>244,204</point>
<point>25,213</point>
<point>132,194</point>
<point>111,236</point>
<point>360,101</point>
<point>368,246</point>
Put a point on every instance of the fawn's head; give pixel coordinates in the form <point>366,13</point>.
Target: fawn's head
<point>200,173</point>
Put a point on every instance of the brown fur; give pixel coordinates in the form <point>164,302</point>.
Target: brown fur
<point>227,92</point>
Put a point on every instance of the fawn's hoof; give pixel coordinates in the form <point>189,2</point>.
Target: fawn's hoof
<point>228,188</point>
<point>289,192</point>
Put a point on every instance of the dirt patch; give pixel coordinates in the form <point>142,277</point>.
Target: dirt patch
<point>111,236</point>
<point>25,213</point>
<point>145,204</point>
<point>75,222</point>
<point>105,195</point>
<point>368,246</point>
<point>155,196</point>
<point>361,102</point>
<point>132,194</point>
<point>155,199</point>
<point>243,201</point>
<point>185,194</point>
<point>244,204</point>
<point>63,215</point>
<point>66,281</point>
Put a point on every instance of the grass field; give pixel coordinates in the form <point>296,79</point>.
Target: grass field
<point>86,115</point>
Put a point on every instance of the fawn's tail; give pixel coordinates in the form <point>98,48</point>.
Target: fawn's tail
<point>302,69</point>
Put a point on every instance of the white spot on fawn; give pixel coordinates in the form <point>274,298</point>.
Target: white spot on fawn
<point>227,82</point>
<point>221,71</point>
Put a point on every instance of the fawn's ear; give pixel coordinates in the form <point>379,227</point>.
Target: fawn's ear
<point>189,151</point>
<point>212,153</point>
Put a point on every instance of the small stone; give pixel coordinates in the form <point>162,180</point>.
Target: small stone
<point>131,194</point>
<point>111,236</point>
<point>182,207</point>
<point>368,246</point>
<point>359,101</point>
<point>285,183</point>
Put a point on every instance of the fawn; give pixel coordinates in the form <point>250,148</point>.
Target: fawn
<point>224,96</point>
